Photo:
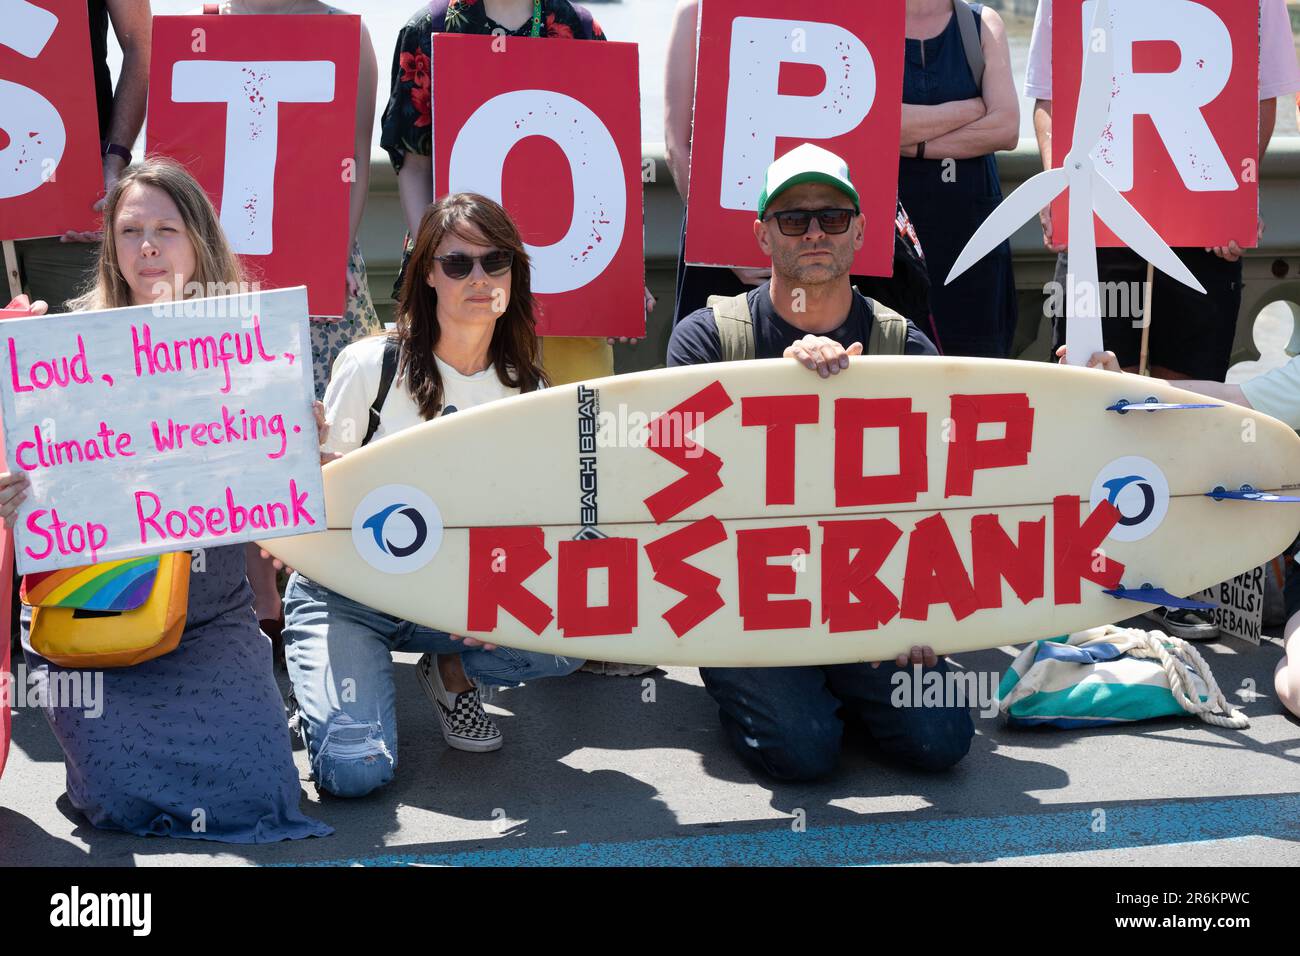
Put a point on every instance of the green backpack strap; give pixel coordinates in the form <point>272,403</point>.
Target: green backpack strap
<point>889,331</point>
<point>735,326</point>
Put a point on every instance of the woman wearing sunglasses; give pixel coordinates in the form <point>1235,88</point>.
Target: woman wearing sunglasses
<point>465,335</point>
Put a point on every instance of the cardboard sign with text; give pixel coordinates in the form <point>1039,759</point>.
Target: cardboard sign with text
<point>50,172</point>
<point>1183,140</point>
<point>161,428</point>
<point>1240,611</point>
<point>266,123</point>
<point>562,154</point>
<point>771,75</point>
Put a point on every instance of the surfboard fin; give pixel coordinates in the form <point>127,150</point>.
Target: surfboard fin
<point>1247,493</point>
<point>1124,406</point>
<point>1149,594</point>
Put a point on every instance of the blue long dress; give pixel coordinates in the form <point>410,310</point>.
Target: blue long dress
<point>976,315</point>
<point>193,744</point>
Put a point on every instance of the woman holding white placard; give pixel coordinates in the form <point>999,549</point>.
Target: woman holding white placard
<point>192,743</point>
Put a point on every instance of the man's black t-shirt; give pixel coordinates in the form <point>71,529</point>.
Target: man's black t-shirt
<point>695,340</point>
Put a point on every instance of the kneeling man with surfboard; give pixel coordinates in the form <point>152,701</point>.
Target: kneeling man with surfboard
<point>788,720</point>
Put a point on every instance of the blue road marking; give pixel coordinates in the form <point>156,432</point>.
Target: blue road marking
<point>962,840</point>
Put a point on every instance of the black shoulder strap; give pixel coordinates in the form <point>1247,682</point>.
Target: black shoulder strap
<point>588,22</point>
<point>438,12</point>
<point>386,376</point>
<point>967,17</point>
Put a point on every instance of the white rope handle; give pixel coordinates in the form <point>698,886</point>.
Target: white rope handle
<point>1174,655</point>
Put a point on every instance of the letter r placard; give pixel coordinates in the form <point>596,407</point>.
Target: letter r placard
<point>50,173</point>
<point>1183,137</point>
<point>768,80</point>
<point>563,155</point>
<point>266,125</point>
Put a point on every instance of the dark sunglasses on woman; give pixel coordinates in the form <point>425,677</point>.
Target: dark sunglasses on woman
<point>495,263</point>
<point>795,222</point>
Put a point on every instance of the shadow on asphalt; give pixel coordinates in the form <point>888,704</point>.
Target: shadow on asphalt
<point>529,796</point>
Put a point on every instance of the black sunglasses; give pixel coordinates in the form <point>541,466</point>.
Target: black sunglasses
<point>795,222</point>
<point>495,263</point>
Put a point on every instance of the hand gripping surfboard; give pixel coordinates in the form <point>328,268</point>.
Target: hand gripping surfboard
<point>753,514</point>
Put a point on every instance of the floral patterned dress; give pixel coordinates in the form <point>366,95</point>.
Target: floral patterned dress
<point>407,124</point>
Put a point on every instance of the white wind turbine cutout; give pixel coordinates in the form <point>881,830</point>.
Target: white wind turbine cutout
<point>1090,191</point>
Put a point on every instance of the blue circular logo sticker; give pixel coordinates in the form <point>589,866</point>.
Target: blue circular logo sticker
<point>397,529</point>
<point>1138,488</point>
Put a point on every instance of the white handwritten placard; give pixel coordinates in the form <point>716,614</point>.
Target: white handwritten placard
<point>161,428</point>
<point>1240,611</point>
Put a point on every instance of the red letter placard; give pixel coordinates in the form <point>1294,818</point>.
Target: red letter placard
<point>551,129</point>
<point>1183,138</point>
<point>267,124</point>
<point>772,75</point>
<point>50,172</point>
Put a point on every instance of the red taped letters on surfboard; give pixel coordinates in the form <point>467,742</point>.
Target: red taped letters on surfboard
<point>870,570</point>
<point>780,414</point>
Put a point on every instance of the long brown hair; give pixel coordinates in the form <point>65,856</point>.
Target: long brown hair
<point>216,262</point>
<point>514,347</point>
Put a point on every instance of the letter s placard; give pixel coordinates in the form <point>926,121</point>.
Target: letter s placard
<point>50,173</point>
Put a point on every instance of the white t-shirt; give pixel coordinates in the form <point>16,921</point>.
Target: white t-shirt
<point>354,382</point>
<point>1279,73</point>
<point>1277,393</point>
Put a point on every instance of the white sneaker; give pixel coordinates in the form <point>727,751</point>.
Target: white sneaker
<point>465,725</point>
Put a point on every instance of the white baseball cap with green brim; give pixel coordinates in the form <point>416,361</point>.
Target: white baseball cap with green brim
<point>806,164</point>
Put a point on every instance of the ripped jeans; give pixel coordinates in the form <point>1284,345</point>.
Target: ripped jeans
<point>339,655</point>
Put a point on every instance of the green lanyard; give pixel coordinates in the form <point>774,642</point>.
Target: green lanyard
<point>537,18</point>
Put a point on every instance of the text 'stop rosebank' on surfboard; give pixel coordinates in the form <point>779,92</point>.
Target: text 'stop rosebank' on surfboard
<point>753,514</point>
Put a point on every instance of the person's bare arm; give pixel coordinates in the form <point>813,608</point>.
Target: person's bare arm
<point>924,123</point>
<point>132,24</point>
<point>1267,124</point>
<point>415,188</point>
<point>679,93</point>
<point>1043,133</point>
<point>1220,391</point>
<point>999,127</point>
<point>367,81</point>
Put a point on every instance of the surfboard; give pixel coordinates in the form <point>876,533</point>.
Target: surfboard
<point>754,514</point>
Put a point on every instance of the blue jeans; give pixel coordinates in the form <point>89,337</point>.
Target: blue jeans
<point>787,720</point>
<point>339,655</point>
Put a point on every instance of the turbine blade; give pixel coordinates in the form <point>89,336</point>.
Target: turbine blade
<point>1127,223</point>
<point>1022,205</point>
<point>1095,89</point>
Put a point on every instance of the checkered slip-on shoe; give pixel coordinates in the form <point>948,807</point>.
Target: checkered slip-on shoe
<point>465,725</point>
